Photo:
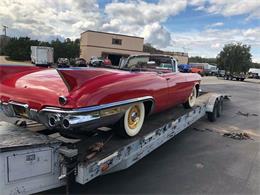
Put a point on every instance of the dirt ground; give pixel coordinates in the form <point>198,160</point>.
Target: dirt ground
<point>5,61</point>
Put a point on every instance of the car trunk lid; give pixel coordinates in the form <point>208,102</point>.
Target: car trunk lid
<point>40,87</point>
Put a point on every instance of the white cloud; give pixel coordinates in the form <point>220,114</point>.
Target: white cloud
<point>143,19</point>
<point>43,18</point>
<point>229,7</point>
<point>209,42</point>
<point>162,38</point>
<point>68,18</point>
<point>217,24</point>
<point>215,45</point>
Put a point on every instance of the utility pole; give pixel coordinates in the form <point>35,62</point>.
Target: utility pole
<point>4,29</point>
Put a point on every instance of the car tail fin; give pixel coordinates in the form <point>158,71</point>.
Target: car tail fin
<point>7,71</point>
<point>74,78</point>
<point>68,77</point>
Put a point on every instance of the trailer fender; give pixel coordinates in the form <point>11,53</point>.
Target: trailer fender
<point>213,101</point>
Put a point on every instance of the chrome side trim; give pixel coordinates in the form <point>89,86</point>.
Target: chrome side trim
<point>96,108</point>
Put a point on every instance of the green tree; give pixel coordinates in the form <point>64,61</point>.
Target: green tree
<point>150,49</point>
<point>20,48</point>
<point>67,49</point>
<point>198,59</point>
<point>255,65</point>
<point>235,57</point>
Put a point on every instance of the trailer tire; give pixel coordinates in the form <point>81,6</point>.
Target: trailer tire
<point>242,79</point>
<point>132,121</point>
<point>212,116</point>
<point>219,107</point>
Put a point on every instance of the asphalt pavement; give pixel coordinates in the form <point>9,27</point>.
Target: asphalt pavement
<point>200,160</point>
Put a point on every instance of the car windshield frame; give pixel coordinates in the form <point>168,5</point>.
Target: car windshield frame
<point>150,63</point>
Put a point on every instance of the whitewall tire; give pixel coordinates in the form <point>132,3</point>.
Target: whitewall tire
<point>192,98</point>
<point>132,121</point>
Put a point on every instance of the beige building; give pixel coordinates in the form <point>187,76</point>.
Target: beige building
<point>113,46</point>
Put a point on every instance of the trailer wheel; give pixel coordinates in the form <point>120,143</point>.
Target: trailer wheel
<point>212,116</point>
<point>242,79</point>
<point>132,121</point>
<point>219,107</point>
<point>192,99</point>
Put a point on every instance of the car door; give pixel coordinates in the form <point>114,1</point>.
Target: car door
<point>177,86</point>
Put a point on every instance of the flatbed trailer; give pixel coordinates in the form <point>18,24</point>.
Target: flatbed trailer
<point>32,162</point>
<point>235,76</point>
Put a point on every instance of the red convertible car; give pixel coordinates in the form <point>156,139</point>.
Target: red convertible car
<point>87,98</point>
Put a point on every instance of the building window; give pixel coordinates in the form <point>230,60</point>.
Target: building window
<point>117,41</point>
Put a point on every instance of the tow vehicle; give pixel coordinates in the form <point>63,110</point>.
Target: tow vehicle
<point>33,159</point>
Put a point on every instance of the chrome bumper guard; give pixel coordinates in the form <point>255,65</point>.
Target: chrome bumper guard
<point>15,109</point>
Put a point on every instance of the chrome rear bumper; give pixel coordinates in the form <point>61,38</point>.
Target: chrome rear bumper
<point>91,117</point>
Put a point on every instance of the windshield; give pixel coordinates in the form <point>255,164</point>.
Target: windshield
<point>161,64</point>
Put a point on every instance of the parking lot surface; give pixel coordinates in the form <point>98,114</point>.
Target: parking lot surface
<point>199,160</point>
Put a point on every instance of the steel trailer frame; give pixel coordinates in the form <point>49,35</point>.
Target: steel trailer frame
<point>117,154</point>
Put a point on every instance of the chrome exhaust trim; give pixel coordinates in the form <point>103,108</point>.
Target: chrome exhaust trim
<point>74,121</point>
<point>54,120</point>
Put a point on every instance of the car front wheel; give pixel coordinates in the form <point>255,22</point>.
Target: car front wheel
<point>192,99</point>
<point>132,121</point>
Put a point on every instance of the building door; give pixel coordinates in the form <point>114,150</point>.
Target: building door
<point>114,58</point>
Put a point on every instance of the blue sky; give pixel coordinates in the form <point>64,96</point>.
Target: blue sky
<point>199,27</point>
<point>196,20</point>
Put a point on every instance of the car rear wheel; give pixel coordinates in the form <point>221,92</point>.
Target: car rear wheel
<point>132,121</point>
<point>192,98</point>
